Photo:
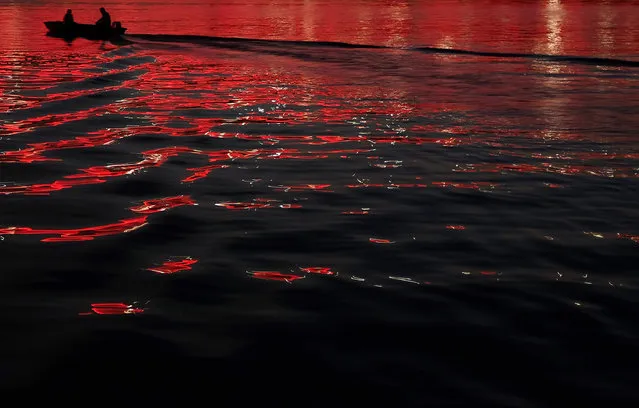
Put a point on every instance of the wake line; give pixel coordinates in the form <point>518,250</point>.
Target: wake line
<point>239,42</point>
<point>549,57</point>
<point>201,39</point>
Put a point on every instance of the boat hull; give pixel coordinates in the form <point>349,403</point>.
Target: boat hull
<point>88,31</point>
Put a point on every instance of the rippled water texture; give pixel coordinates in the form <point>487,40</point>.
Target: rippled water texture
<point>405,203</point>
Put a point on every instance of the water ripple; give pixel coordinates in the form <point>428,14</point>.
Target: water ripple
<point>205,181</point>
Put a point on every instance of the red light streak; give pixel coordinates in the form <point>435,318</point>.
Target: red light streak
<point>303,187</point>
<point>380,241</point>
<point>320,270</point>
<point>633,238</point>
<point>257,203</point>
<point>113,309</point>
<point>45,189</point>
<point>275,276</point>
<point>162,204</point>
<point>80,234</point>
<point>174,266</point>
<point>202,172</point>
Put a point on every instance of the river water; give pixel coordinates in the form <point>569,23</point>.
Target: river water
<point>408,203</point>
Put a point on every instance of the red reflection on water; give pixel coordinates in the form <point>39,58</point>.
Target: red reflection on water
<point>565,169</point>
<point>387,165</point>
<point>242,206</point>
<point>80,234</point>
<point>539,27</point>
<point>257,203</point>
<point>356,212</point>
<point>114,309</point>
<point>474,185</point>
<point>26,125</point>
<point>388,186</point>
<point>274,275</point>
<point>290,206</point>
<point>34,151</point>
<point>45,189</point>
<point>568,26</point>
<point>202,172</point>
<point>634,238</point>
<point>174,266</point>
<point>116,170</point>
<point>152,158</point>
<point>320,270</point>
<point>302,187</point>
<point>381,241</point>
<point>162,204</point>
<point>267,139</point>
<point>413,140</point>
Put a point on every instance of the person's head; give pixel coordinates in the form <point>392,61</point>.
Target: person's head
<point>102,10</point>
<point>69,11</point>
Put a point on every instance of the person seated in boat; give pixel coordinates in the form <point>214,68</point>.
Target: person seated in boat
<point>105,20</point>
<point>68,18</point>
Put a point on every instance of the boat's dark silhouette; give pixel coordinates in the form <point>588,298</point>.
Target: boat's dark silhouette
<point>89,31</point>
<point>101,30</point>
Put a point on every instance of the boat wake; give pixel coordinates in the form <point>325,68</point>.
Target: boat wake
<point>250,44</point>
<point>577,59</point>
<point>239,41</point>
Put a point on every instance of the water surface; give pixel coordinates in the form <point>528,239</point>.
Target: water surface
<point>388,202</point>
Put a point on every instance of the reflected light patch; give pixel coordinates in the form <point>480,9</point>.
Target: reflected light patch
<point>33,153</point>
<point>320,270</point>
<point>113,309</point>
<point>302,187</point>
<point>46,189</point>
<point>633,238</point>
<point>363,211</point>
<point>380,241</point>
<point>257,203</point>
<point>202,172</point>
<point>275,276</point>
<point>80,234</point>
<point>174,266</point>
<point>163,204</point>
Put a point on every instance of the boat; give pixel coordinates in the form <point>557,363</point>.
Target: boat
<point>89,31</point>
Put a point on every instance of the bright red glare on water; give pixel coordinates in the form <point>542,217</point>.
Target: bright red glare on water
<point>174,266</point>
<point>276,276</point>
<point>381,241</point>
<point>320,270</point>
<point>80,234</point>
<point>114,309</point>
<point>162,204</point>
<point>257,203</point>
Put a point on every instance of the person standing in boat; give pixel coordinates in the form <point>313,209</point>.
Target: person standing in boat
<point>68,18</point>
<point>105,20</point>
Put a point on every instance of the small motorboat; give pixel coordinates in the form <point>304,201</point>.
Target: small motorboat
<point>89,31</point>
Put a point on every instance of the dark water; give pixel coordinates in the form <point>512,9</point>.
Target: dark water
<point>243,203</point>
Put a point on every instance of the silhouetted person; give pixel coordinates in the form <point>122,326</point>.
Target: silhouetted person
<point>68,18</point>
<point>105,20</point>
